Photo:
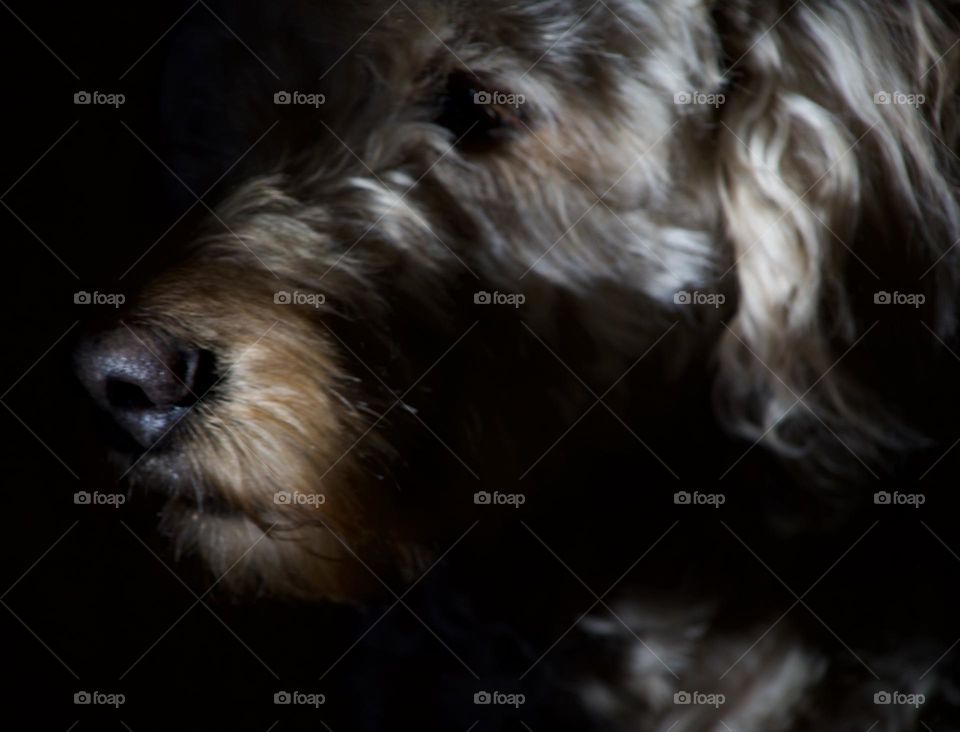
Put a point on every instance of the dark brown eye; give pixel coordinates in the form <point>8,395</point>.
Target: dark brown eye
<point>478,113</point>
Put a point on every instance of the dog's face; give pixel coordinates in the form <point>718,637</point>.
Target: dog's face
<point>556,153</point>
<point>457,152</point>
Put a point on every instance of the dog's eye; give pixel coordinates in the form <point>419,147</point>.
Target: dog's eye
<point>478,113</point>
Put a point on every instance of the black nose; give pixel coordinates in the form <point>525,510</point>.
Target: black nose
<point>145,383</point>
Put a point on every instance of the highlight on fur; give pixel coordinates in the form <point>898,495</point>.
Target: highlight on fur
<point>822,181</point>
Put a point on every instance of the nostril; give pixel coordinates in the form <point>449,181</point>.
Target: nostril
<point>124,395</point>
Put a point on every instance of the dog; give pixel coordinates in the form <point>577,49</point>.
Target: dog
<point>490,219</point>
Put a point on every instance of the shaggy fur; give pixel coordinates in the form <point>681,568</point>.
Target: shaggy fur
<point>598,199</point>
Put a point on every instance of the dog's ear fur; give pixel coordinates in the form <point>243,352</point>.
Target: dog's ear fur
<point>828,197</point>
